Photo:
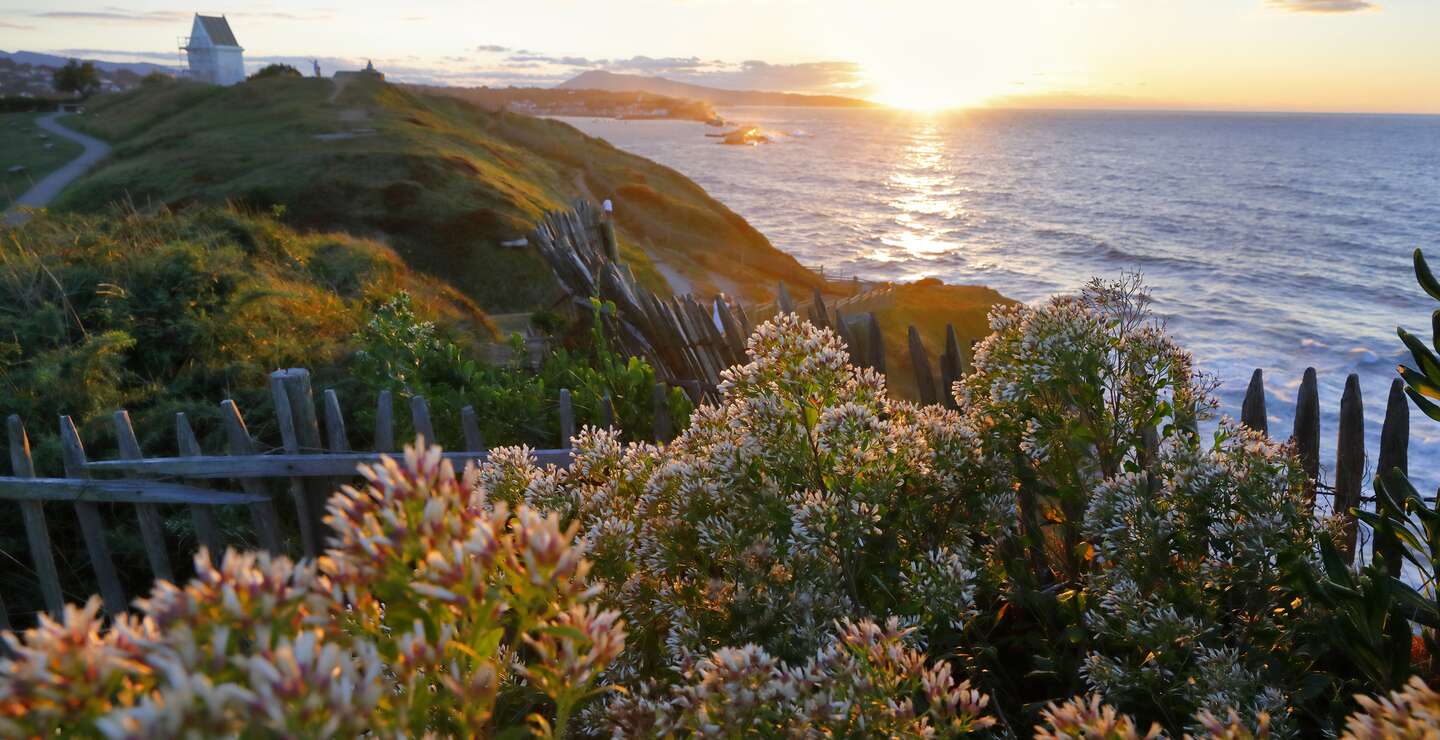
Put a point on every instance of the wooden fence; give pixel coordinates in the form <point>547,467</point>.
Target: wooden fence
<point>314,454</point>
<point>688,340</point>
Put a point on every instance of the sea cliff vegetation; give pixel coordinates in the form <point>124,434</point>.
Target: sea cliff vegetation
<point>1065,555</point>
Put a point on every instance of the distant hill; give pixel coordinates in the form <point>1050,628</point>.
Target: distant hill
<point>549,101</point>
<point>601,80</point>
<point>36,59</point>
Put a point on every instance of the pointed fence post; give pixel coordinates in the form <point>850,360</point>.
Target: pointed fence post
<point>207,529</point>
<point>876,345</point>
<point>420,417</point>
<point>1350,464</point>
<point>385,422</point>
<point>660,399</point>
<point>819,315</point>
<point>607,412</point>
<point>263,516</point>
<point>1394,455</point>
<point>37,533</point>
<point>92,527</point>
<point>305,516</point>
<point>335,437</point>
<point>567,419</point>
<point>783,301</point>
<point>152,528</point>
<point>1307,431</point>
<point>1252,411</point>
<point>950,368</point>
<point>471,426</point>
<point>924,376</point>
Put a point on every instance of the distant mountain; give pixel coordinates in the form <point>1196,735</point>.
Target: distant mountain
<point>601,80</point>
<point>36,59</point>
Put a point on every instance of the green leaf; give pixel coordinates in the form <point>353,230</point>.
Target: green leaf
<point>1425,277</point>
<point>1421,402</point>
<point>1429,364</point>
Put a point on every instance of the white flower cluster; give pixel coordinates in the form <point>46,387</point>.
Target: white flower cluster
<point>866,682</point>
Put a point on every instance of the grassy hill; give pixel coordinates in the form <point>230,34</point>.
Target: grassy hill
<point>443,181</point>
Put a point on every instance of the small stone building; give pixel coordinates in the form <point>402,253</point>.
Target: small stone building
<point>213,53</point>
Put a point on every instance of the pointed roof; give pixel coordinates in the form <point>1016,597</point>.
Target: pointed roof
<point>218,29</point>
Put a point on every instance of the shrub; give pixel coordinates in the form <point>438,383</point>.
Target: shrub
<point>432,611</point>
<point>516,404</point>
<point>1068,530</point>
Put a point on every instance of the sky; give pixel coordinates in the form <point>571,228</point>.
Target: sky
<point>1280,55</point>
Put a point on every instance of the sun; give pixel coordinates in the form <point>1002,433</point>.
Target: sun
<point>928,93</point>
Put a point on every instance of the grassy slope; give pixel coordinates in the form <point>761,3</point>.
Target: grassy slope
<point>20,143</point>
<point>443,180</point>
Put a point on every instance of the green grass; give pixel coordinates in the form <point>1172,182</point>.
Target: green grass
<point>20,144</point>
<point>441,180</point>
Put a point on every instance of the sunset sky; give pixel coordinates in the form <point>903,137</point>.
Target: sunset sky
<point>1302,55</point>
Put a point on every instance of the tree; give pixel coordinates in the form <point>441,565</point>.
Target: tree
<point>79,78</point>
<point>276,70</point>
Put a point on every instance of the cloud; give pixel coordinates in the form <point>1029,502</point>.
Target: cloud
<point>16,26</point>
<point>1322,6</point>
<point>115,15</point>
<point>162,56</point>
<point>753,74</point>
<point>492,48</point>
<point>112,14</point>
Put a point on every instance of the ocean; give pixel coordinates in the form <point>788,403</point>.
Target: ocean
<point>1273,241</point>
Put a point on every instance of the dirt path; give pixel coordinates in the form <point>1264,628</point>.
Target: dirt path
<point>45,191</point>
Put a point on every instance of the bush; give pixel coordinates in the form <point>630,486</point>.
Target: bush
<point>516,404</point>
<point>433,611</point>
<point>1067,531</point>
<point>275,70</point>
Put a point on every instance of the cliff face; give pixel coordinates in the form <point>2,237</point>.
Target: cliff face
<point>443,181</point>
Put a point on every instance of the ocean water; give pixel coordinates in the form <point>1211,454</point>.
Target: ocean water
<point>1270,241</point>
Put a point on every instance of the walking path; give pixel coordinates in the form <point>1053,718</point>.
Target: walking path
<point>45,191</point>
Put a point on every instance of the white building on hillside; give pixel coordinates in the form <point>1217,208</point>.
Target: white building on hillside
<point>213,53</point>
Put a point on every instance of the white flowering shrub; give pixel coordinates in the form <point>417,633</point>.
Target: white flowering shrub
<point>433,611</point>
<point>866,682</point>
<point>807,496</point>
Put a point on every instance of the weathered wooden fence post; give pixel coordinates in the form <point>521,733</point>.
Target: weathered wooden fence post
<point>567,419</point>
<point>1307,431</point>
<point>952,368</point>
<point>152,529</point>
<point>37,534</point>
<point>876,345</point>
<point>1350,464</point>
<point>1252,411</point>
<point>305,516</point>
<point>420,419</point>
<point>924,376</point>
<point>92,527</point>
<point>336,439</point>
<point>385,422</point>
<point>207,530</point>
<point>263,515</point>
<point>783,301</point>
<point>1394,455</point>
<point>471,426</point>
<point>660,400</point>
